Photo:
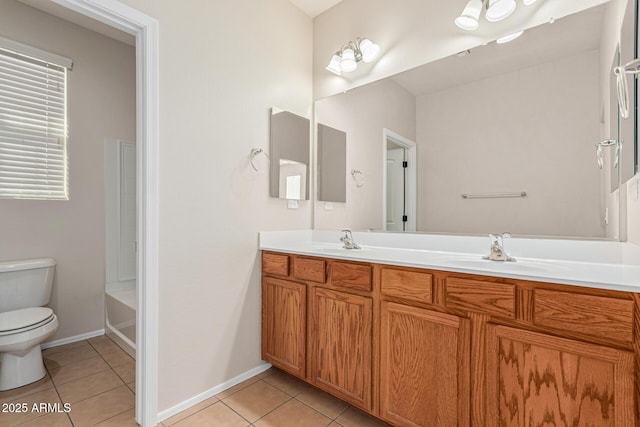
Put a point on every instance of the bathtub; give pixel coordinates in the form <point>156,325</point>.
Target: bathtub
<point>120,314</point>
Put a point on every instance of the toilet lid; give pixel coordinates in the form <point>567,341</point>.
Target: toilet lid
<point>20,319</point>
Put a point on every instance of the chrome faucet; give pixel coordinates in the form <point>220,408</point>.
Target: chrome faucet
<point>497,248</point>
<point>347,240</point>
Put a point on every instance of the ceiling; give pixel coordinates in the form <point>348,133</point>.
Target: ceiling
<point>314,8</point>
<point>548,42</point>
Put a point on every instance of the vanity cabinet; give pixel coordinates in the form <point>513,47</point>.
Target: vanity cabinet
<point>341,334</point>
<point>420,347</point>
<point>538,379</point>
<point>424,367</point>
<point>284,319</point>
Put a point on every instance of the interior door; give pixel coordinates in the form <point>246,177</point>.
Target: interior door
<point>396,189</point>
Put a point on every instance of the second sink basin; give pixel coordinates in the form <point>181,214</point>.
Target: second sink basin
<point>524,266</point>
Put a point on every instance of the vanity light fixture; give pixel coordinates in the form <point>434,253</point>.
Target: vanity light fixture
<point>496,10</point>
<point>347,58</point>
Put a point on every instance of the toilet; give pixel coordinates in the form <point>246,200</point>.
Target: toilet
<point>25,287</point>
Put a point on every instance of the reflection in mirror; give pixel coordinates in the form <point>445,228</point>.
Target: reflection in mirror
<point>332,164</point>
<point>610,148</point>
<point>627,126</point>
<point>521,117</point>
<point>292,180</point>
<point>290,147</point>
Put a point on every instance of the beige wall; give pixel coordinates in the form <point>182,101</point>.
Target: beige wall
<point>223,65</point>
<point>554,164</point>
<point>363,113</point>
<point>101,91</point>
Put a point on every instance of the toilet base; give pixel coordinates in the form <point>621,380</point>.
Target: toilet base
<point>17,371</point>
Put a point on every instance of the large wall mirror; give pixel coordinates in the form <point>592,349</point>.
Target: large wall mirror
<point>503,136</point>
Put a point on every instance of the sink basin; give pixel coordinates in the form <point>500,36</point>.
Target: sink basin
<point>341,250</point>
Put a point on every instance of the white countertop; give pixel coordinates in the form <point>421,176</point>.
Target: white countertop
<point>594,264</point>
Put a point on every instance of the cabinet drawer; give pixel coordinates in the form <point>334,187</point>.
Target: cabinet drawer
<point>494,299</point>
<point>586,314</point>
<point>407,284</point>
<point>275,264</point>
<point>352,276</point>
<point>309,269</point>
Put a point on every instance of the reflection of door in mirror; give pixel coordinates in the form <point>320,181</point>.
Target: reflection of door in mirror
<point>396,188</point>
<point>400,183</point>
<point>292,180</point>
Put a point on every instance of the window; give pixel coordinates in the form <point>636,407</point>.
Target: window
<point>33,123</point>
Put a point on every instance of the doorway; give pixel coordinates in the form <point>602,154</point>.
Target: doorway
<point>145,30</point>
<point>399,182</point>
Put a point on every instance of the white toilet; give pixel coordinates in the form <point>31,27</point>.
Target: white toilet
<point>25,286</point>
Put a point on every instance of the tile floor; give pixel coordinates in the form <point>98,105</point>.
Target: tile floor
<point>97,379</point>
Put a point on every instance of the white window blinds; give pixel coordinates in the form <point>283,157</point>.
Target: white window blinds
<point>33,128</point>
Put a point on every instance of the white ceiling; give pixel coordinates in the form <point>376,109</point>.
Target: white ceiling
<point>314,8</point>
<point>569,35</point>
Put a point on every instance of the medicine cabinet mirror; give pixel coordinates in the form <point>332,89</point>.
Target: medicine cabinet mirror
<point>290,148</point>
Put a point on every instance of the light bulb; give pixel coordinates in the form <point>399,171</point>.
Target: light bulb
<point>334,64</point>
<point>509,37</point>
<point>348,61</point>
<point>369,50</point>
<point>500,9</point>
<point>468,19</point>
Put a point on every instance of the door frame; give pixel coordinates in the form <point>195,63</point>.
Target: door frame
<point>412,177</point>
<point>145,29</point>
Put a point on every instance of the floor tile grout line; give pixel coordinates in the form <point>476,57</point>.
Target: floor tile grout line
<point>341,413</point>
<point>84,376</point>
<point>273,410</point>
<point>116,415</point>
<point>318,411</point>
<point>105,360</point>
<point>239,390</point>
<point>190,415</point>
<point>237,413</point>
<point>95,395</point>
<point>13,399</point>
<point>55,387</point>
<point>68,364</point>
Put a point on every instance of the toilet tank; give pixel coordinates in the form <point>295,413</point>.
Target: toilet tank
<point>25,283</point>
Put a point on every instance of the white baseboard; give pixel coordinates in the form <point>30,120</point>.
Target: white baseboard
<point>75,338</point>
<point>212,392</point>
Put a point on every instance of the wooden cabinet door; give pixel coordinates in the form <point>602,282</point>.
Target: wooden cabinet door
<point>341,333</point>
<point>424,367</point>
<point>539,380</point>
<point>284,319</point>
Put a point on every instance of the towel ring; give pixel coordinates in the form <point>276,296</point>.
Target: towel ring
<point>255,153</point>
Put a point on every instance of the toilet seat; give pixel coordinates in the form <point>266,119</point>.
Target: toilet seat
<point>18,321</point>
